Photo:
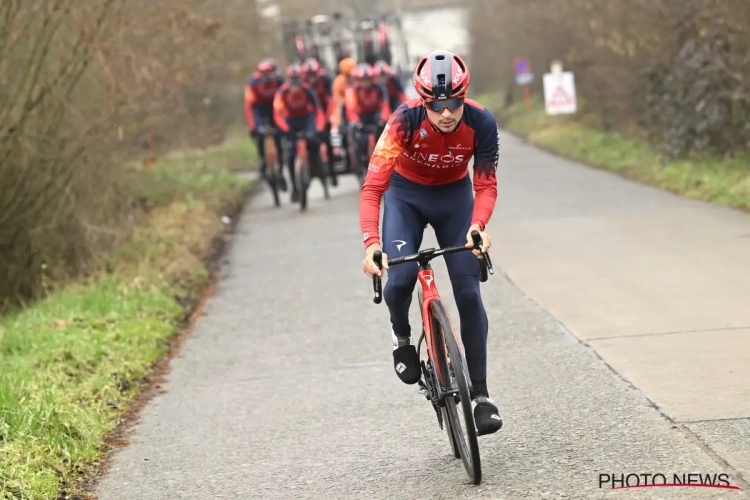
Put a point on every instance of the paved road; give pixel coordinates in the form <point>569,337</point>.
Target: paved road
<point>285,389</point>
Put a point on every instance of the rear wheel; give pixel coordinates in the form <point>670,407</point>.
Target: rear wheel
<point>454,375</point>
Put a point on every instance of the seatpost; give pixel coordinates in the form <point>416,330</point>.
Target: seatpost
<point>377,284</point>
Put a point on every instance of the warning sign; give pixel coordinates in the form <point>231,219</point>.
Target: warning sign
<point>559,93</point>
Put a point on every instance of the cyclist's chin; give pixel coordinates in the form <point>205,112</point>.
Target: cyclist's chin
<point>446,126</point>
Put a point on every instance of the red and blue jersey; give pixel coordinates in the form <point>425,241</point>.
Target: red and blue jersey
<point>323,88</point>
<point>417,150</point>
<point>291,104</point>
<point>259,93</point>
<point>395,90</point>
<point>360,100</point>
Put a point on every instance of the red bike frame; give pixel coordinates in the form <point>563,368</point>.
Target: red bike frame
<point>430,294</point>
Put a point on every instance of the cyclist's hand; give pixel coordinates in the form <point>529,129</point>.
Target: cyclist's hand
<point>368,265</point>
<point>486,241</point>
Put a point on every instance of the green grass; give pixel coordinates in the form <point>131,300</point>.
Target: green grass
<point>70,364</point>
<point>717,180</point>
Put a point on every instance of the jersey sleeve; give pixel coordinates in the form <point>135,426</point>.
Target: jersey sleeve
<point>390,145</point>
<point>279,111</point>
<point>351,105</point>
<point>249,101</point>
<point>385,105</point>
<point>486,152</point>
<point>318,112</point>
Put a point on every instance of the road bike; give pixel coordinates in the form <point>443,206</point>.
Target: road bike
<point>445,380</point>
<point>274,173</point>
<point>303,171</point>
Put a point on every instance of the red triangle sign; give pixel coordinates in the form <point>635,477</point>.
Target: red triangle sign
<point>559,97</point>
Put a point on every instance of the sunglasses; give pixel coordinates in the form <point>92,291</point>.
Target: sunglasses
<point>451,104</point>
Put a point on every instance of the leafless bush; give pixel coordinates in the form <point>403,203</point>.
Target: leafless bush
<point>83,85</point>
<point>673,69</point>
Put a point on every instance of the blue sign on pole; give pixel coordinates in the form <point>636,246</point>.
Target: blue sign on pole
<point>521,65</point>
<point>522,70</point>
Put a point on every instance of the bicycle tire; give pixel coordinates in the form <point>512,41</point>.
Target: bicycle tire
<point>275,172</point>
<point>302,182</point>
<point>323,173</point>
<point>443,335</point>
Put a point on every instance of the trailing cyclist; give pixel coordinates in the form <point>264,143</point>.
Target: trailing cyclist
<point>317,78</point>
<point>387,77</point>
<point>259,96</point>
<point>366,104</point>
<point>296,108</point>
<point>339,139</point>
<point>420,167</point>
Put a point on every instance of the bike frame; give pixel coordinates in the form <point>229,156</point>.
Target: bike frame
<point>430,294</point>
<point>271,156</point>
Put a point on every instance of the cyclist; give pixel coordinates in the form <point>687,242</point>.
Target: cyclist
<point>336,109</point>
<point>387,77</point>
<point>317,78</point>
<point>296,108</point>
<point>259,95</point>
<point>420,165</point>
<point>366,104</point>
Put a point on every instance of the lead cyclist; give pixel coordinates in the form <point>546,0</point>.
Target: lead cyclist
<point>420,167</point>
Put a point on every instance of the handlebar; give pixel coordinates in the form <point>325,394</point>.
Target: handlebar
<point>424,256</point>
<point>371,127</point>
<point>266,131</point>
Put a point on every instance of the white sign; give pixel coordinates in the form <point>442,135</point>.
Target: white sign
<point>524,78</point>
<point>559,93</point>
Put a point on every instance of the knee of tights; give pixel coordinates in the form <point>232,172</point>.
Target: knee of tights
<point>467,296</point>
<point>399,289</point>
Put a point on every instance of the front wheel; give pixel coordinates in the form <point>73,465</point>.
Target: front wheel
<point>302,174</point>
<point>273,173</point>
<point>453,375</point>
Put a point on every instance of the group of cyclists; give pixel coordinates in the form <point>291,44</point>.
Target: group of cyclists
<point>418,171</point>
<point>304,98</point>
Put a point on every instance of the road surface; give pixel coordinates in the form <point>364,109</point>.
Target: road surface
<point>286,390</point>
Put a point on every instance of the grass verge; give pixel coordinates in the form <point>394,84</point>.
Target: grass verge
<point>71,364</point>
<point>708,178</point>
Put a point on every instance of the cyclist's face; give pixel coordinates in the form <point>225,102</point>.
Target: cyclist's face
<point>445,120</point>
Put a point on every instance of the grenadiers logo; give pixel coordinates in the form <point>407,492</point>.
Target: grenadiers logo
<point>422,133</point>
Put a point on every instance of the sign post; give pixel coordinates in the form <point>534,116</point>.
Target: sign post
<point>524,76</point>
<point>559,91</point>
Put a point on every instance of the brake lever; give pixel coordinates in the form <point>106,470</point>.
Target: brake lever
<point>377,284</point>
<point>477,240</point>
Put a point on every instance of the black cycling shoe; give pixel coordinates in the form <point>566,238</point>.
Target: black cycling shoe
<point>282,183</point>
<point>486,416</point>
<point>406,360</point>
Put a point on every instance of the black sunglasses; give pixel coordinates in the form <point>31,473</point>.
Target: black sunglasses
<point>451,104</point>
